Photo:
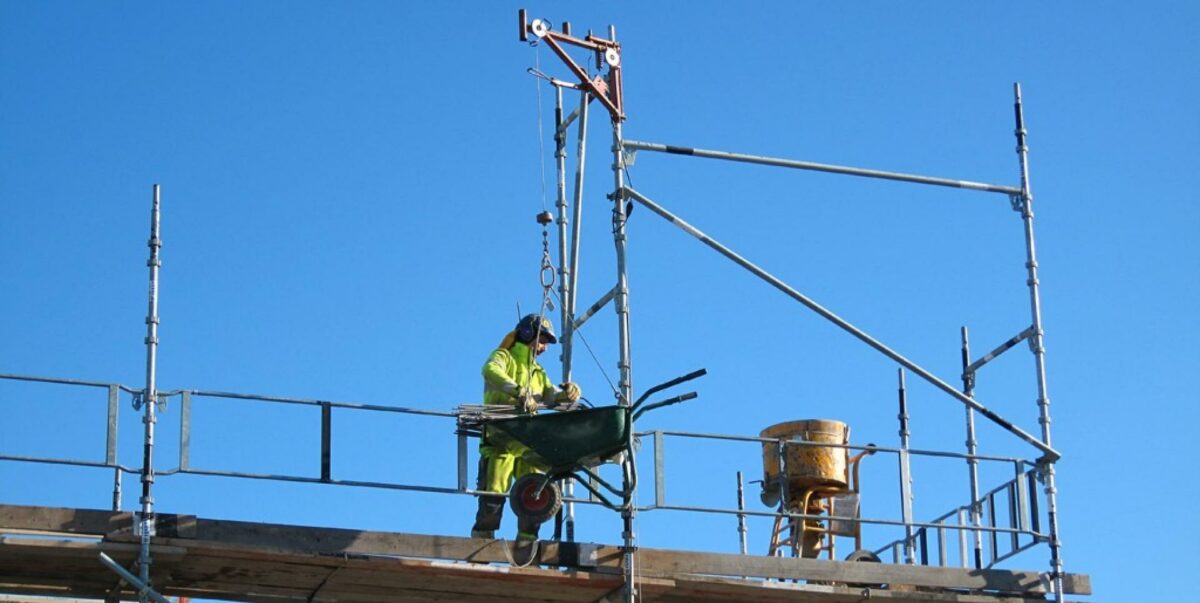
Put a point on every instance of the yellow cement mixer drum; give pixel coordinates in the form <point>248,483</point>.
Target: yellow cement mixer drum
<point>808,466</point>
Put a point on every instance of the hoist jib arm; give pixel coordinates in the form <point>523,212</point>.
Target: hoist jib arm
<point>608,52</point>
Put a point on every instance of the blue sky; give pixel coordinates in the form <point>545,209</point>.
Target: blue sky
<point>349,194</point>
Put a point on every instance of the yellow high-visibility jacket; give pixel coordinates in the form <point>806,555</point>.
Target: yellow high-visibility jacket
<point>509,369</point>
<point>505,372</point>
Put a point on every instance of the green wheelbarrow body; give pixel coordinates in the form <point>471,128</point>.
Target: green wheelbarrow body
<point>571,444</point>
<point>560,443</point>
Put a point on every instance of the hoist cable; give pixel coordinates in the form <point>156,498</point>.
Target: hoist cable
<point>537,83</point>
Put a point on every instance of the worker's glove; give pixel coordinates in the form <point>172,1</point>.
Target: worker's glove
<point>569,394</point>
<point>526,401</point>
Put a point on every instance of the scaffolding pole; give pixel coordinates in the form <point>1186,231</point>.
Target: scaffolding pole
<point>625,362</point>
<point>573,276</point>
<point>819,167</point>
<point>560,203</point>
<point>149,403</point>
<point>1036,340</point>
<point>968,378</point>
<point>906,494</point>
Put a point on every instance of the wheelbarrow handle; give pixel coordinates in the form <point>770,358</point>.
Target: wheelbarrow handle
<point>667,402</point>
<point>671,383</point>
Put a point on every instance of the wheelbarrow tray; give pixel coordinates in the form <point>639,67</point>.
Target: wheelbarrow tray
<point>565,441</point>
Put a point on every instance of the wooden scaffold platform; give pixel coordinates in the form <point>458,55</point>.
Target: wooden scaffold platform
<point>48,551</point>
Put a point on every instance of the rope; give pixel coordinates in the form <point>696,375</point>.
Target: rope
<point>537,83</point>
<point>547,266</point>
<point>508,554</point>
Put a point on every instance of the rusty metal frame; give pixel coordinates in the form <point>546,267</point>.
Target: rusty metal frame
<point>607,90</point>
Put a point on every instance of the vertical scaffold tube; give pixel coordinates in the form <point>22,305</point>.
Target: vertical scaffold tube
<point>1037,343</point>
<point>576,221</point>
<point>566,288</point>
<point>741,502</point>
<point>560,203</point>
<point>149,400</point>
<point>573,274</point>
<point>906,495</point>
<point>968,379</point>
<point>625,383</point>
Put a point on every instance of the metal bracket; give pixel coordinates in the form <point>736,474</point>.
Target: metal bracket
<point>1040,470</point>
<point>139,399</point>
<point>1017,202</point>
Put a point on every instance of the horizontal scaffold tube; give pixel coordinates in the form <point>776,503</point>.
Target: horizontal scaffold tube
<point>820,167</point>
<point>1050,453</point>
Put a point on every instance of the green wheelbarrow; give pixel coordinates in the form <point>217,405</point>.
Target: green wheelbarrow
<point>571,444</point>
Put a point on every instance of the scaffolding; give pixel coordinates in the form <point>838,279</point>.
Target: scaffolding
<point>991,527</point>
<point>607,88</point>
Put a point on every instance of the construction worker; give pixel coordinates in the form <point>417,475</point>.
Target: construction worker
<point>512,377</point>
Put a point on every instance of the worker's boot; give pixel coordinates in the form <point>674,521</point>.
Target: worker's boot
<point>525,549</point>
<point>487,518</point>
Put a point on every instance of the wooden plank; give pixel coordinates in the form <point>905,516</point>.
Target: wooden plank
<point>224,592</point>
<point>204,565</point>
<point>666,563</point>
<point>207,567</point>
<point>422,547</point>
<point>725,589</point>
<point>41,599</point>
<point>218,556</point>
<point>656,562</point>
<point>546,585</point>
<point>454,591</point>
<point>236,575</point>
<point>86,549</point>
<point>59,585</point>
<point>54,519</point>
<point>20,588</point>
<point>51,567</point>
<point>88,521</point>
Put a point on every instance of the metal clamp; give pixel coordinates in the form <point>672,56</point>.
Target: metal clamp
<point>1017,202</point>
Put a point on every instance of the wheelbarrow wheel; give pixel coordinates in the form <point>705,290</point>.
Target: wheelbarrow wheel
<point>527,503</point>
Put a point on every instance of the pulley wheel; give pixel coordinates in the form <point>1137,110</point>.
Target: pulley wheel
<point>612,57</point>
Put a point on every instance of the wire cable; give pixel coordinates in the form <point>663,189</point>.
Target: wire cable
<point>537,83</point>
<point>592,353</point>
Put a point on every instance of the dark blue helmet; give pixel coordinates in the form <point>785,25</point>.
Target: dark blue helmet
<point>532,326</point>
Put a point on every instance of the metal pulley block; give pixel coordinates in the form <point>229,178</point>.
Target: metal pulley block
<point>613,57</point>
